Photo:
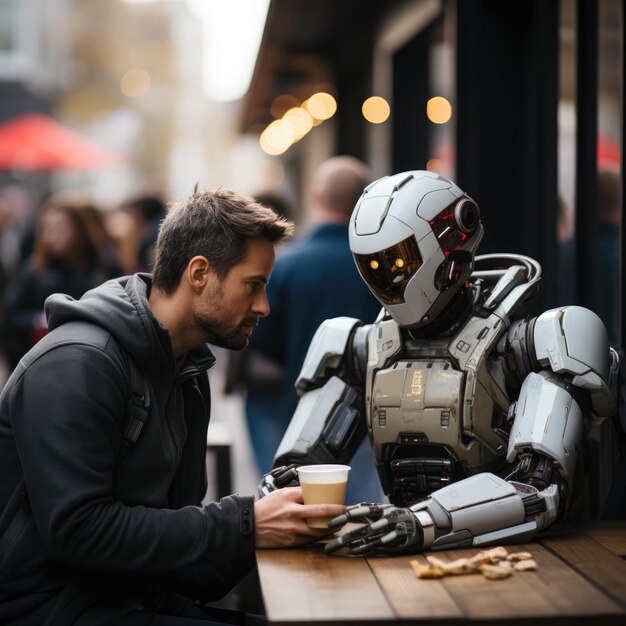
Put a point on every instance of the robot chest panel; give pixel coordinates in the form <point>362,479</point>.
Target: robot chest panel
<point>419,400</point>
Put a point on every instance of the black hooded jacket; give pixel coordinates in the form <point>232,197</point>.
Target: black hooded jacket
<point>108,526</point>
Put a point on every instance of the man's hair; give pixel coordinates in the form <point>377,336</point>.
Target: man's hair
<point>215,225</point>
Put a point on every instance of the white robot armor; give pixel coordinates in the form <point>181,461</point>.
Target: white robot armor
<point>474,411</point>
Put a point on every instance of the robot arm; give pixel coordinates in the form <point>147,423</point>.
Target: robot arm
<point>328,425</point>
<point>545,440</point>
<point>572,341</point>
<point>477,511</point>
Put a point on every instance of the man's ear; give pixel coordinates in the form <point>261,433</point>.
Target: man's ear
<point>198,273</point>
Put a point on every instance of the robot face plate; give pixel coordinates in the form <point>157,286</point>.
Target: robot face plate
<point>388,272</point>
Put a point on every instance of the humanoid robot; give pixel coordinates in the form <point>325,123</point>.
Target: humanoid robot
<point>475,411</point>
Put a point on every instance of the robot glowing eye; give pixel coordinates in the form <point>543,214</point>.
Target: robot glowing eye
<point>399,263</point>
<point>374,264</point>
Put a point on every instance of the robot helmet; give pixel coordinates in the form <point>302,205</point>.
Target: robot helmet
<point>413,236</point>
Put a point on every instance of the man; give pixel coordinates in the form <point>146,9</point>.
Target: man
<point>315,278</point>
<point>102,524</point>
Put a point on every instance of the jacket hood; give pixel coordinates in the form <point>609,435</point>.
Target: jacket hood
<point>121,307</point>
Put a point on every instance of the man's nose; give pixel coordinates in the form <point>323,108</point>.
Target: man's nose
<point>261,306</point>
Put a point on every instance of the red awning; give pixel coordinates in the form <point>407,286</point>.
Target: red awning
<point>35,142</point>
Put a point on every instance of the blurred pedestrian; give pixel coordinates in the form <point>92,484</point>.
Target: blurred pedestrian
<point>147,211</point>
<point>70,256</point>
<point>315,278</point>
<point>103,430</point>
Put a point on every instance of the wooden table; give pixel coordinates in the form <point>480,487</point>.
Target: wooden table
<point>580,579</point>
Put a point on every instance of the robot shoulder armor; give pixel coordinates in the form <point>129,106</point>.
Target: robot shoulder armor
<point>572,340</point>
<point>326,351</point>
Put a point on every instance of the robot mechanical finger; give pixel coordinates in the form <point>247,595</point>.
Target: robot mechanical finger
<point>279,477</point>
<point>363,512</point>
<point>353,539</point>
<point>397,531</point>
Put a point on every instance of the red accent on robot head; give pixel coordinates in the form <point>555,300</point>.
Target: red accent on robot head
<point>455,224</point>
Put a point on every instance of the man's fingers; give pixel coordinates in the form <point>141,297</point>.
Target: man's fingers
<point>294,494</point>
<point>291,494</point>
<point>322,510</point>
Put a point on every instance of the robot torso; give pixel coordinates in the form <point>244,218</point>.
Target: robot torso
<point>437,408</point>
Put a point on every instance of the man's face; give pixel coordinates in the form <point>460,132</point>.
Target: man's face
<point>231,308</point>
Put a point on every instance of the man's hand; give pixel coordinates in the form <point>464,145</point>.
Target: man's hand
<point>280,519</point>
<point>384,529</point>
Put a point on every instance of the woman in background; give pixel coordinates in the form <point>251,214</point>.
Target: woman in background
<point>71,255</point>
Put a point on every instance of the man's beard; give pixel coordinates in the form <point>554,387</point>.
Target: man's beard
<point>221,335</point>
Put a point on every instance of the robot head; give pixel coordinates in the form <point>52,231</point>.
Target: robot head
<point>413,236</point>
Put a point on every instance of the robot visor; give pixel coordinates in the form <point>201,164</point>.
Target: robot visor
<point>387,272</point>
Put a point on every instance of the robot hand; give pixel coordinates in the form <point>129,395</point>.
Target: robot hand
<point>385,529</point>
<point>279,477</point>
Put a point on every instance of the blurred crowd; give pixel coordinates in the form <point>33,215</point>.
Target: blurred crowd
<point>70,246</point>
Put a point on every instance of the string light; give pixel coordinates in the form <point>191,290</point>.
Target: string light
<point>376,110</point>
<point>296,121</point>
<point>438,110</point>
<point>135,82</point>
<point>321,105</point>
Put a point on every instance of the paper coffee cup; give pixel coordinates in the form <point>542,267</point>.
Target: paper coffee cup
<point>323,484</point>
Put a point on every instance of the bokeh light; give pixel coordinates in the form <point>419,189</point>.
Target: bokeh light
<point>376,110</point>
<point>435,165</point>
<point>277,138</point>
<point>135,82</point>
<point>300,120</point>
<point>305,106</point>
<point>321,105</point>
<point>438,110</point>
<point>296,121</point>
<point>281,104</point>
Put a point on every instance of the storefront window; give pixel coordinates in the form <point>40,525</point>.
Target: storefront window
<point>441,105</point>
<point>609,163</point>
<point>567,154</point>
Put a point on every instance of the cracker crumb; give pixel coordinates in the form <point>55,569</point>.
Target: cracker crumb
<point>494,564</point>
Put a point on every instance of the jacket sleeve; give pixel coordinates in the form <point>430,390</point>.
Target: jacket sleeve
<point>66,414</point>
<point>205,583</point>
